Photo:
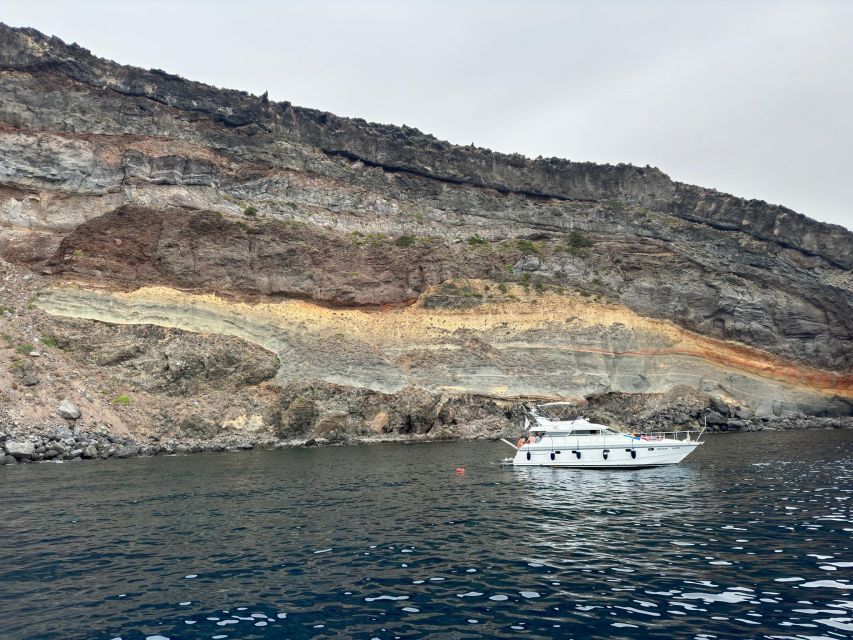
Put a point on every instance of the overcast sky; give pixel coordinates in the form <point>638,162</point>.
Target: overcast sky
<point>750,97</point>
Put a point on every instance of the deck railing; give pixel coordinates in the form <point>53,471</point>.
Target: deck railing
<point>686,435</point>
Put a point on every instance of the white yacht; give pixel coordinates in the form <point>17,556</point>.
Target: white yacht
<point>575,442</point>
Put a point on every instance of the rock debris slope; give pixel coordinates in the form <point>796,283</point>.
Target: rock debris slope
<point>407,284</point>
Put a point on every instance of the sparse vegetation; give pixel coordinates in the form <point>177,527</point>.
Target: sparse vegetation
<point>123,400</point>
<point>577,244</point>
<point>477,241</point>
<point>79,253</point>
<point>405,241</point>
<point>5,309</point>
<point>250,211</point>
<point>25,349</point>
<point>527,246</point>
<point>371,239</point>
<point>580,241</point>
<point>451,295</point>
<point>50,341</point>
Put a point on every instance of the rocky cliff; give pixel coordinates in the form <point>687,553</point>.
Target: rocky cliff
<point>384,268</point>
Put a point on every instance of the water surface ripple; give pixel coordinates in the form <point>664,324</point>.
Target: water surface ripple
<point>749,538</point>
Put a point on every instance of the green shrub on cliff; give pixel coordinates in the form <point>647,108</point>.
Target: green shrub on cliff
<point>405,241</point>
<point>25,349</point>
<point>580,241</point>
<point>526,246</point>
<point>123,400</point>
<point>250,211</point>
<point>577,244</point>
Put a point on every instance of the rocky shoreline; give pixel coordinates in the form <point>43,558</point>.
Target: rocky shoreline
<point>70,443</point>
<point>64,444</point>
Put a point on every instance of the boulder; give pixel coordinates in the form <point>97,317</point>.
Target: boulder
<point>127,451</point>
<point>715,419</point>
<point>90,451</point>
<point>68,410</point>
<point>29,380</point>
<point>20,450</point>
<point>720,407</point>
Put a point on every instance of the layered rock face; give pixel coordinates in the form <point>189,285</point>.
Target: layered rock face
<point>381,260</point>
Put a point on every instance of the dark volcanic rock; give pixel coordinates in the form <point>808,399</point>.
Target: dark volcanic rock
<point>124,177</point>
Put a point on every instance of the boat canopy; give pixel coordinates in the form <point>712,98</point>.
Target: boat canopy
<point>578,426</point>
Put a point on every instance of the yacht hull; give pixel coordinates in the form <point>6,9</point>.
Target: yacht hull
<point>622,455</point>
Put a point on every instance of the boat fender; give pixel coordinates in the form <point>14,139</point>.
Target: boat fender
<point>528,455</point>
<point>578,454</point>
<point>552,455</point>
<point>633,454</point>
<point>605,452</point>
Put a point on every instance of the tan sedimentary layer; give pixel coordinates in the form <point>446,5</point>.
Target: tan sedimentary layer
<point>495,348</point>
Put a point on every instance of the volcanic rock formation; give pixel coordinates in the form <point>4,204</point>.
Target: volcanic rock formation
<point>382,261</point>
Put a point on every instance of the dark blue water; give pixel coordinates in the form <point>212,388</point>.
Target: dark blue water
<point>749,538</point>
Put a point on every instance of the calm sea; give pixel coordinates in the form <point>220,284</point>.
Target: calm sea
<point>750,537</point>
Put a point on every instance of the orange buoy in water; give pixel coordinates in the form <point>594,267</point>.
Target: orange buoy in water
<point>460,470</point>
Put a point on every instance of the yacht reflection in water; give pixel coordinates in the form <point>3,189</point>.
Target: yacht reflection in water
<point>603,520</point>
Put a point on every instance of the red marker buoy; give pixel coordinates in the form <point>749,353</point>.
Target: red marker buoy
<point>460,471</point>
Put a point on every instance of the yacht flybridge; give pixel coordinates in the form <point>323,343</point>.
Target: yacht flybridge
<point>567,440</point>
